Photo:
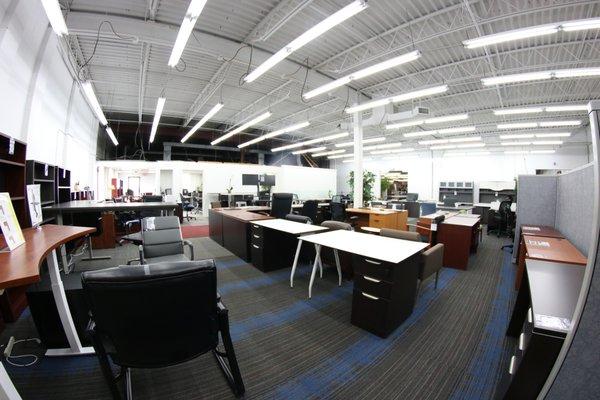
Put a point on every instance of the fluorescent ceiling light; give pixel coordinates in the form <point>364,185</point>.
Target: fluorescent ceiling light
<point>583,24</point>
<point>398,98</point>
<point>365,141</point>
<point>393,151</point>
<point>242,127</point>
<point>339,156</point>
<point>337,18</point>
<point>160,104</point>
<point>312,141</point>
<point>419,134</point>
<point>556,134</point>
<point>444,147</point>
<point>382,146</point>
<point>435,141</point>
<point>382,66</point>
<point>55,16</point>
<point>549,124</point>
<point>576,107</point>
<point>278,132</point>
<point>517,152</point>
<point>405,124</point>
<point>547,143</point>
<point>543,151</point>
<point>517,34</point>
<point>460,129</point>
<point>111,135</point>
<point>470,145</point>
<point>328,153</point>
<point>534,76</point>
<point>88,90</point>
<point>515,143</point>
<point>313,150</point>
<point>518,125</point>
<point>514,111</point>
<point>204,119</point>
<point>528,136</point>
<point>185,30</point>
<point>447,118</point>
<point>466,153</point>
<point>465,139</point>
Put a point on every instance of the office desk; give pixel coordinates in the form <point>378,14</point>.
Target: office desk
<point>380,218</point>
<point>385,276</point>
<point>460,237</point>
<point>533,230</point>
<point>542,248</point>
<point>541,320</point>
<point>274,243</point>
<point>22,266</point>
<point>231,229</point>
<point>468,209</point>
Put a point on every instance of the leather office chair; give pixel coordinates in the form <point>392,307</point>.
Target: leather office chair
<point>162,241</point>
<point>432,261</point>
<point>428,208</point>
<point>338,213</point>
<point>299,218</point>
<point>187,206</point>
<point>125,330</point>
<point>398,234</point>
<point>310,209</point>
<point>501,220</point>
<point>91,220</point>
<point>450,201</point>
<point>413,208</point>
<point>281,205</point>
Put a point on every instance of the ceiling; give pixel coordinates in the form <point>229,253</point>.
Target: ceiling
<point>127,61</point>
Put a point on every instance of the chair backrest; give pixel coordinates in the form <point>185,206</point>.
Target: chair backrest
<point>412,196</point>
<point>337,225</point>
<point>428,208</point>
<point>215,204</point>
<point>310,208</point>
<point>398,234</point>
<point>151,198</point>
<point>90,220</point>
<point>281,205</point>
<point>338,211</point>
<point>154,315</point>
<point>433,261</point>
<point>299,218</point>
<point>450,201</point>
<point>161,236</point>
<point>504,208</point>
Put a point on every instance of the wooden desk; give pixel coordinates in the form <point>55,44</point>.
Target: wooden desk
<point>22,266</point>
<point>531,230</point>
<point>460,237</point>
<point>547,249</point>
<point>380,218</point>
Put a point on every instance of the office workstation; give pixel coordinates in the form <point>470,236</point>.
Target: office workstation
<point>299,199</point>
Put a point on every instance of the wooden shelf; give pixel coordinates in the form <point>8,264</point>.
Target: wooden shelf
<point>17,164</point>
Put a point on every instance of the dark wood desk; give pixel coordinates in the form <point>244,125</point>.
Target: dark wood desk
<point>231,229</point>
<point>531,230</point>
<point>547,249</point>
<point>460,237</point>
<point>541,320</point>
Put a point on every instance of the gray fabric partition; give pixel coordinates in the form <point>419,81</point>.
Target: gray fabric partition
<point>575,206</point>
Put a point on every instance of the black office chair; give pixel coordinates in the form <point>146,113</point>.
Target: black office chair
<point>310,209</point>
<point>187,206</point>
<point>281,205</point>
<point>125,329</point>
<point>501,220</point>
<point>299,218</point>
<point>338,213</point>
<point>450,201</point>
<point>91,220</point>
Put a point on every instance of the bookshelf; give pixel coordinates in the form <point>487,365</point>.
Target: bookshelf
<point>43,174</point>
<point>63,185</point>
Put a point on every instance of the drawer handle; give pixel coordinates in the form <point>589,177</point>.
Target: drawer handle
<point>371,279</point>
<point>529,316</point>
<point>522,342</point>
<point>256,236</point>
<point>511,368</point>
<point>255,246</point>
<point>368,296</point>
<point>372,262</point>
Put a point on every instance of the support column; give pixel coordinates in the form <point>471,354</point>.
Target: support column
<point>358,157</point>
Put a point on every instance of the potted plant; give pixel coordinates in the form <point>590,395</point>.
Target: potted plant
<point>368,182</point>
<point>386,183</point>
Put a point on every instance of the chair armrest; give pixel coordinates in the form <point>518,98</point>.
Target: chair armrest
<point>141,250</point>
<point>189,244</point>
<point>134,260</point>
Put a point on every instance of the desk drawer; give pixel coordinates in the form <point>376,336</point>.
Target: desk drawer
<point>256,238</point>
<point>373,268</point>
<point>370,313</point>
<point>373,286</point>
<point>256,229</point>
<point>257,259</point>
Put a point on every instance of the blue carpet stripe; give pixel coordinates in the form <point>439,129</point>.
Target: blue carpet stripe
<point>228,263</point>
<point>263,280</point>
<point>482,373</point>
<point>344,366</point>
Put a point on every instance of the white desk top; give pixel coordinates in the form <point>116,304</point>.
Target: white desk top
<point>295,228</point>
<point>364,244</point>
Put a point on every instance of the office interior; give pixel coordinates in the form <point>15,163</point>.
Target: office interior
<point>205,231</point>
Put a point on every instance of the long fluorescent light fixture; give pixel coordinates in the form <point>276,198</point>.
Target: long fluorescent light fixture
<point>543,124</point>
<point>435,120</point>
<point>365,141</point>
<point>574,107</point>
<point>204,119</point>
<point>408,124</point>
<point>242,127</point>
<point>530,152</point>
<point>313,150</point>
<point>111,135</point>
<point>334,19</point>
<point>340,156</point>
<point>459,129</point>
<point>88,90</point>
<point>397,98</point>
<point>185,30</point>
<point>535,110</point>
<point>312,141</point>
<point>542,75</point>
<point>467,153</point>
<point>537,135</point>
<point>328,153</point>
<point>278,132</point>
<point>383,146</point>
<point>160,105</point>
<point>55,16</point>
<point>532,31</point>
<point>382,66</point>
<point>393,151</point>
<point>550,124</point>
<point>535,143</point>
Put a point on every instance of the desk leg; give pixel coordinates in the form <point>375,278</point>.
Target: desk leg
<point>7,389</point>
<point>295,262</point>
<point>63,248</point>
<point>337,264</point>
<point>314,269</point>
<point>60,298</point>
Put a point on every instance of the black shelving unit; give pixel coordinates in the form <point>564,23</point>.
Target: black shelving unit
<point>63,185</point>
<point>45,175</point>
<point>463,191</point>
<point>489,195</point>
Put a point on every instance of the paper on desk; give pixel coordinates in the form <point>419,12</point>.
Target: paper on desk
<point>530,228</point>
<point>548,321</point>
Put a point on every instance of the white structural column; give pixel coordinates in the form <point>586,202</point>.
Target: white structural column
<point>358,157</point>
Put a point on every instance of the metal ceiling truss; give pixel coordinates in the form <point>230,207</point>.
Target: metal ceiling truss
<point>264,103</point>
<point>275,19</point>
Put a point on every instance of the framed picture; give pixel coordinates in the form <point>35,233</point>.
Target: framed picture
<point>35,204</point>
<point>9,223</point>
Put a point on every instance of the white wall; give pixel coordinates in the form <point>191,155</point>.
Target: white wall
<point>426,171</point>
<point>192,180</point>
<point>40,103</point>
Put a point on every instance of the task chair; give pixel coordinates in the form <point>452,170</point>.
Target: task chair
<point>310,209</point>
<point>398,234</point>
<point>299,218</point>
<point>187,206</point>
<point>450,201</point>
<point>125,331</point>
<point>432,261</point>
<point>412,196</point>
<point>501,220</point>
<point>281,205</point>
<point>91,220</point>
<point>338,213</point>
<point>428,208</point>
<point>162,241</point>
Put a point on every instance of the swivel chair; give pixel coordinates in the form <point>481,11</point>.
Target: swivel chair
<point>187,206</point>
<point>310,209</point>
<point>92,220</point>
<point>281,205</point>
<point>162,241</point>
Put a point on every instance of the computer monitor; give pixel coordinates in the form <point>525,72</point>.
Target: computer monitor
<point>267,180</point>
<point>249,180</point>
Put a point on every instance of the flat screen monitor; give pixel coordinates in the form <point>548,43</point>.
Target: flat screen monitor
<point>249,180</point>
<point>267,180</point>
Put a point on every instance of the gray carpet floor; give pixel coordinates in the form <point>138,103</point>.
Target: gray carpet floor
<point>289,347</point>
